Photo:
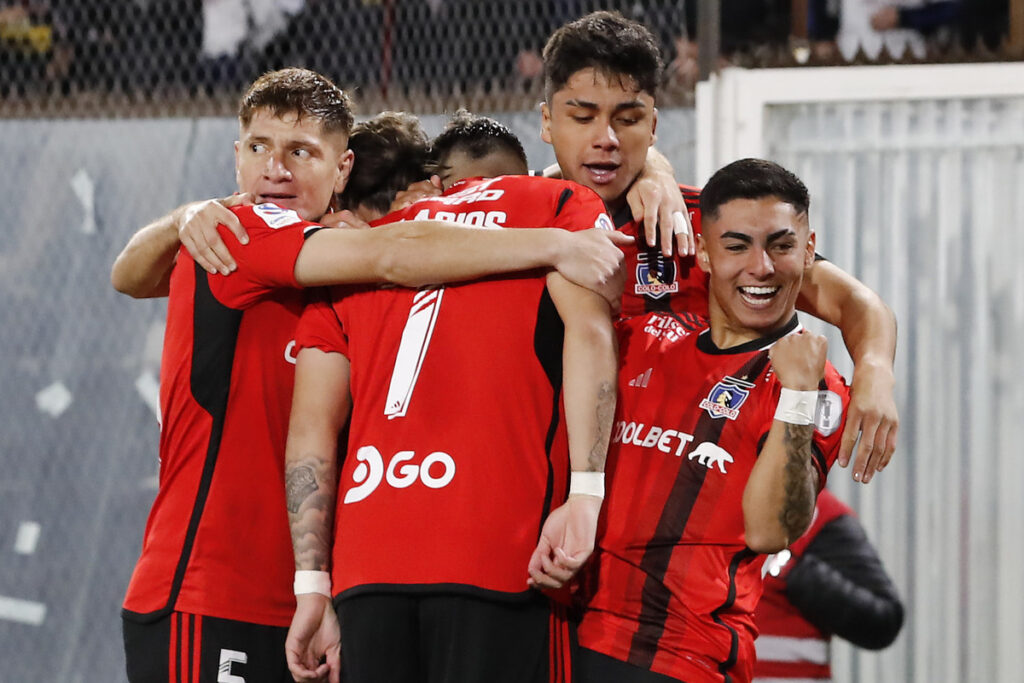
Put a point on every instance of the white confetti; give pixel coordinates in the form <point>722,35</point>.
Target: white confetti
<point>24,611</point>
<point>85,189</point>
<point>149,389</point>
<point>54,399</point>
<point>27,538</point>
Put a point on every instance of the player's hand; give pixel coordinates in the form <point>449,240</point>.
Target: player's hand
<point>344,219</point>
<point>592,259</point>
<point>313,645</point>
<point>655,200</point>
<point>873,416</point>
<point>197,231</point>
<point>416,192</point>
<point>799,360</point>
<point>566,541</point>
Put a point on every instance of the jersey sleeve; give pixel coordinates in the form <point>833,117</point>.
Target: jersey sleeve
<point>319,326</point>
<point>829,418</point>
<point>579,208</point>
<point>267,262</point>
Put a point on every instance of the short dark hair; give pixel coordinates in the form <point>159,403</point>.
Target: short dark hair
<point>607,42</point>
<point>477,136</point>
<point>301,92</point>
<point>392,152</point>
<point>752,179</point>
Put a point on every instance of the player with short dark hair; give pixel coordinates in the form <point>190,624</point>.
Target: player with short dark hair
<point>453,491</point>
<point>601,76</point>
<point>212,590</point>
<point>474,146</point>
<point>391,152</point>
<point>724,434</point>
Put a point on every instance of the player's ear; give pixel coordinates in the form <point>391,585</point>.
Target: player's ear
<point>238,175</point>
<point>654,126</point>
<point>345,162</point>
<point>702,255</point>
<point>545,122</point>
<point>809,253</point>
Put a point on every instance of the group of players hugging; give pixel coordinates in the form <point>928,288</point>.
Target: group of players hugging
<point>566,462</point>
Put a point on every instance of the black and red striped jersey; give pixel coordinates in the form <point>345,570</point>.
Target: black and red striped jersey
<point>217,541</point>
<point>457,449</point>
<point>654,283</point>
<point>672,585</point>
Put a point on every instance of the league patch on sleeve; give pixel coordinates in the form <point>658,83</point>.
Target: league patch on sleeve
<point>603,222</point>
<point>276,217</point>
<point>829,413</point>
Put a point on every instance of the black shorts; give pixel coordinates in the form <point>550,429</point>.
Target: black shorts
<point>450,638</point>
<point>590,666</point>
<point>188,648</point>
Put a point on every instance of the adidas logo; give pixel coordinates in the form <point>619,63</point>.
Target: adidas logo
<point>642,379</point>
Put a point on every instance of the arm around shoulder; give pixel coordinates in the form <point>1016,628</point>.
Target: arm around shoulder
<point>868,326</point>
<point>143,268</point>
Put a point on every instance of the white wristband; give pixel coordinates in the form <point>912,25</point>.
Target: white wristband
<point>797,407</point>
<point>587,483</point>
<point>308,581</point>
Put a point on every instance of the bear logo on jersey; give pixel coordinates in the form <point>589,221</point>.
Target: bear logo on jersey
<point>709,455</point>
<point>726,397</point>
<point>655,275</point>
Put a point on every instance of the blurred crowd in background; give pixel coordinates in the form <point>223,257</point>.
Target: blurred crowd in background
<point>56,48</point>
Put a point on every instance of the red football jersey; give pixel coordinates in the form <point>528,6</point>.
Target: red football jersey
<point>789,647</point>
<point>456,449</point>
<point>654,283</point>
<point>217,541</point>
<point>672,586</point>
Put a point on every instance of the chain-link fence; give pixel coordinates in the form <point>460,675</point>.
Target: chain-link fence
<point>166,57</point>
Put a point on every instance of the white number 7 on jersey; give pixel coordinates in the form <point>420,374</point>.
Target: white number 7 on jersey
<point>419,327</point>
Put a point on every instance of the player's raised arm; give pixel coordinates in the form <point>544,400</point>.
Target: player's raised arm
<point>778,500</point>
<point>589,362</point>
<point>416,253</point>
<point>320,407</point>
<point>869,330</point>
<point>143,268</point>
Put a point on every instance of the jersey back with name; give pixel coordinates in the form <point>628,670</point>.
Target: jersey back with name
<point>672,585</point>
<point>456,445</point>
<point>217,541</point>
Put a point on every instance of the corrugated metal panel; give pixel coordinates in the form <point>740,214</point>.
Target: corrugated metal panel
<point>924,201</point>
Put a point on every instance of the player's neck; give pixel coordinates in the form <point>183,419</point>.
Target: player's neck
<point>727,332</point>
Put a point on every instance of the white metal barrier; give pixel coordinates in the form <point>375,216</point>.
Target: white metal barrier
<point>917,184</point>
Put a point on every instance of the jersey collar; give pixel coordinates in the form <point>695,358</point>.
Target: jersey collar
<point>705,344</point>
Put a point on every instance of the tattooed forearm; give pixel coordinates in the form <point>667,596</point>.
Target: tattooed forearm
<point>299,483</point>
<point>798,506</point>
<point>605,417</point>
<point>311,497</point>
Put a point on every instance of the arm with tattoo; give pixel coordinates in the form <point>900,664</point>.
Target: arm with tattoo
<point>778,500</point>
<point>589,367</point>
<point>311,510</point>
<point>800,480</point>
<point>319,409</point>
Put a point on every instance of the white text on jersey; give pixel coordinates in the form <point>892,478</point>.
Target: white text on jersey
<point>400,472</point>
<point>472,219</point>
<point>664,439</point>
